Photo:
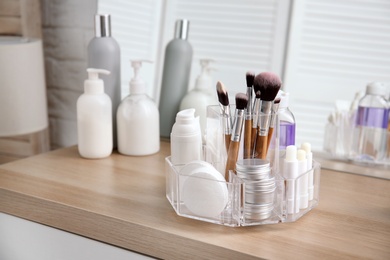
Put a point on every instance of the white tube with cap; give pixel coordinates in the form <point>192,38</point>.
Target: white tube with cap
<point>303,179</point>
<point>309,157</point>
<point>290,172</point>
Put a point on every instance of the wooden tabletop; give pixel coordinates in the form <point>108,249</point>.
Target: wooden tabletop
<point>121,200</point>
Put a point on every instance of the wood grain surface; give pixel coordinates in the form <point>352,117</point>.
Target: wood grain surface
<point>121,200</point>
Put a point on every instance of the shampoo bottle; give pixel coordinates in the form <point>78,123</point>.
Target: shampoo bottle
<point>138,119</point>
<point>201,96</point>
<point>94,118</point>
<point>175,78</point>
<point>104,53</point>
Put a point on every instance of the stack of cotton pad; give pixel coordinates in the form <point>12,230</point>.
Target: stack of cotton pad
<point>203,190</point>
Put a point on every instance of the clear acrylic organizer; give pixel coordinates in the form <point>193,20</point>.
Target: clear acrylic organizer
<point>233,208</point>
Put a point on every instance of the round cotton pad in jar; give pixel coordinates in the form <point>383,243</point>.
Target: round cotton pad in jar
<point>205,192</point>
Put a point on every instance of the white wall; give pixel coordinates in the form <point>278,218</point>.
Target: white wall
<point>333,45</point>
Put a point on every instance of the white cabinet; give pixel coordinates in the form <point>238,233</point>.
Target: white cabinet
<point>22,239</point>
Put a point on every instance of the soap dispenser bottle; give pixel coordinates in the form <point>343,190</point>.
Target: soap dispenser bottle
<point>201,96</point>
<point>138,119</point>
<point>104,53</point>
<point>176,75</point>
<point>94,118</point>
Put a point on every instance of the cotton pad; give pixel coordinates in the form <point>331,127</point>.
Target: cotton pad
<point>205,192</point>
<point>188,169</point>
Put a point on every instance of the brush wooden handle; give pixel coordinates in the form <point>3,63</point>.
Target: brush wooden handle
<point>261,147</point>
<point>231,158</point>
<point>248,138</point>
<point>253,140</point>
<point>270,132</point>
<point>228,137</point>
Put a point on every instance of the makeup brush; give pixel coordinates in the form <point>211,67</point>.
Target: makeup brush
<point>223,99</point>
<point>269,84</point>
<point>274,110</point>
<point>241,103</point>
<point>250,76</point>
<point>256,110</point>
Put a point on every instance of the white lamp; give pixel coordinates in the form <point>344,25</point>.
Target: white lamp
<point>23,103</point>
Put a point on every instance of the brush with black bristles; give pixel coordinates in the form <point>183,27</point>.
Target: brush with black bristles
<point>225,111</point>
<point>271,128</point>
<point>241,103</point>
<point>269,84</point>
<point>250,76</point>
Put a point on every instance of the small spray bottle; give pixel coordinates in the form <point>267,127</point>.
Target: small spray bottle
<point>138,119</point>
<point>94,118</point>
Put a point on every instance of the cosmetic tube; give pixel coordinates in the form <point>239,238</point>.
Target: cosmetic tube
<point>303,179</point>
<point>309,158</point>
<point>290,172</point>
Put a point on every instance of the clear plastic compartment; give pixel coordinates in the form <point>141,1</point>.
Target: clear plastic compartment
<point>234,210</point>
<point>239,201</point>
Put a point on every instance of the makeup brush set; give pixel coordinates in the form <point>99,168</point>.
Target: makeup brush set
<point>241,180</point>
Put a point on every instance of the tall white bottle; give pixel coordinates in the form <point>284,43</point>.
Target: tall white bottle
<point>94,118</point>
<point>202,95</point>
<point>104,53</point>
<point>138,119</point>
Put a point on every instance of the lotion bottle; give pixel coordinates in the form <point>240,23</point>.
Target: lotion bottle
<point>186,140</point>
<point>94,118</point>
<point>201,96</point>
<point>104,53</point>
<point>175,78</point>
<point>138,119</point>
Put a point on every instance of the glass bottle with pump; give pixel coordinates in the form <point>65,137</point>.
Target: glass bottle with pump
<point>369,136</point>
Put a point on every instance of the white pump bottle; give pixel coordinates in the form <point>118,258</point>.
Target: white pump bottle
<point>202,95</point>
<point>94,118</point>
<point>138,119</point>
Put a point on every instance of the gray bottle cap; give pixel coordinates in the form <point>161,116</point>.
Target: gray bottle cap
<point>103,25</point>
<point>181,29</point>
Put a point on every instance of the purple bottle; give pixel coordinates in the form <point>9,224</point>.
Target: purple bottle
<point>369,136</point>
<point>286,123</point>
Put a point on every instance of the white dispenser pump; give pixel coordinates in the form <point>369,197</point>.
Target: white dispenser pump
<point>137,84</point>
<point>138,119</point>
<point>202,95</point>
<point>94,85</point>
<point>204,81</point>
<point>94,118</point>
